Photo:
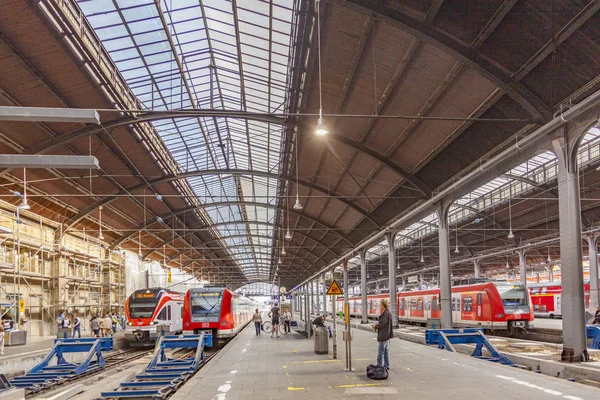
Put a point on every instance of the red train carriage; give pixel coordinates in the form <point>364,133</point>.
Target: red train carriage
<point>217,311</point>
<point>149,310</point>
<point>492,305</point>
<point>546,298</point>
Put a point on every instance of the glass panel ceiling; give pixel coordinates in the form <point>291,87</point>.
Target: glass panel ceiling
<point>204,54</point>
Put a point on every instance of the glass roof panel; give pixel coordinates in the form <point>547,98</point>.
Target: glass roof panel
<point>200,53</point>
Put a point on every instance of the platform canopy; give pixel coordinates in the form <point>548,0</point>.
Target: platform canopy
<point>208,110</point>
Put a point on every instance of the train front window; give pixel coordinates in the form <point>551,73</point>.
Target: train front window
<point>142,308</point>
<point>206,304</point>
<point>513,295</point>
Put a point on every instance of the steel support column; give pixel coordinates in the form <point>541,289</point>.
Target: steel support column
<point>363,285</point>
<point>392,275</point>
<point>593,259</point>
<point>444,250</point>
<point>318,296</point>
<point>522,267</point>
<point>477,267</point>
<point>569,205</point>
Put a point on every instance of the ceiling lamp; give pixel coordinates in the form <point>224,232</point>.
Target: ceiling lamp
<point>549,259</point>
<point>422,260</point>
<point>100,236</point>
<point>283,252</point>
<point>140,245</point>
<point>279,262</point>
<point>321,129</point>
<point>288,235</point>
<point>510,232</point>
<point>298,205</point>
<point>24,204</point>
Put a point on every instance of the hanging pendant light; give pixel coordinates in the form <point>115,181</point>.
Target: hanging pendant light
<point>422,260</point>
<point>140,245</point>
<point>24,204</point>
<point>288,235</point>
<point>100,236</point>
<point>549,259</point>
<point>279,262</point>
<point>283,252</point>
<point>321,129</point>
<point>510,232</point>
<point>298,205</point>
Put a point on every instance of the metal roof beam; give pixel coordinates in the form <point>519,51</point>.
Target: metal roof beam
<point>169,178</point>
<point>486,67</point>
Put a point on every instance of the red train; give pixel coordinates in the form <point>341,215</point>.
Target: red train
<point>491,305</point>
<point>149,310</point>
<point>217,311</point>
<point>546,298</point>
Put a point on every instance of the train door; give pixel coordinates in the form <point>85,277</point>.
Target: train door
<point>435,307</point>
<point>456,317</point>
<point>479,306</point>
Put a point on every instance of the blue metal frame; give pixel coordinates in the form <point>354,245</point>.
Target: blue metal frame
<point>593,332</point>
<point>447,338</point>
<point>43,373</point>
<point>163,374</point>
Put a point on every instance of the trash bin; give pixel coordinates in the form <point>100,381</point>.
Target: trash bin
<point>321,340</point>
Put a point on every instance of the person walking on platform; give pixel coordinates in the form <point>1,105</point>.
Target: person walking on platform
<point>76,326</point>
<point>1,340</point>
<point>274,314</point>
<point>385,332</point>
<point>95,325</point>
<point>257,318</point>
<point>287,318</point>
<point>106,325</point>
<point>597,317</point>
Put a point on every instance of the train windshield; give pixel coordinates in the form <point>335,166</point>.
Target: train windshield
<point>206,305</point>
<point>513,295</point>
<point>139,308</point>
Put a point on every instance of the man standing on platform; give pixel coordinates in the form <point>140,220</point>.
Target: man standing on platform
<point>385,332</point>
<point>274,314</point>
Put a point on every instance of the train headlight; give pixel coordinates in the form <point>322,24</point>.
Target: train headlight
<point>152,323</point>
<point>130,323</point>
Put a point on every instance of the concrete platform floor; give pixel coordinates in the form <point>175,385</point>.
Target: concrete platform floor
<point>260,367</point>
<point>33,345</point>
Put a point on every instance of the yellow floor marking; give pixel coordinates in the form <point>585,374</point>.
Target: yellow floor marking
<point>284,367</point>
<point>355,385</point>
<point>408,369</point>
<point>295,388</point>
<point>347,377</point>
<point>293,351</point>
<point>316,361</point>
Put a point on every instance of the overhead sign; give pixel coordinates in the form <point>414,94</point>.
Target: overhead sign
<point>334,289</point>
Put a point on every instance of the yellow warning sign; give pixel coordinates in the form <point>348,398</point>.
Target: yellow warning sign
<point>21,306</point>
<point>334,289</point>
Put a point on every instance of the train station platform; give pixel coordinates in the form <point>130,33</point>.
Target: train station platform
<point>260,367</point>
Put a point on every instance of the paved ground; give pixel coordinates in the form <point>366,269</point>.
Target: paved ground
<point>33,345</point>
<point>547,323</point>
<point>252,367</point>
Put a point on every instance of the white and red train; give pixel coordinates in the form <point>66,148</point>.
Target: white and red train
<point>217,311</point>
<point>490,305</point>
<point>150,311</point>
<point>546,298</point>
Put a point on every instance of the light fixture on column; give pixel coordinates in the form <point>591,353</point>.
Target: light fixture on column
<point>100,236</point>
<point>321,129</point>
<point>24,204</point>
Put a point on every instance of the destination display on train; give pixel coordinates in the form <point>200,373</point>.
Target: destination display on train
<point>208,294</point>
<point>145,295</point>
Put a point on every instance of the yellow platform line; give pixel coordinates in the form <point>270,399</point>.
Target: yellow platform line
<point>354,385</point>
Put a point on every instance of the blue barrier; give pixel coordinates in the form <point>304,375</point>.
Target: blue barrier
<point>163,374</point>
<point>447,338</point>
<point>44,373</point>
<point>593,332</point>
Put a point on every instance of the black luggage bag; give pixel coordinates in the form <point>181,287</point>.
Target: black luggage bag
<point>376,372</point>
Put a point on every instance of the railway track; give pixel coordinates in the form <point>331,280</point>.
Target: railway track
<point>113,359</point>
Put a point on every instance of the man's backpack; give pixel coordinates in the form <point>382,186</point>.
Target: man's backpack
<point>376,372</point>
